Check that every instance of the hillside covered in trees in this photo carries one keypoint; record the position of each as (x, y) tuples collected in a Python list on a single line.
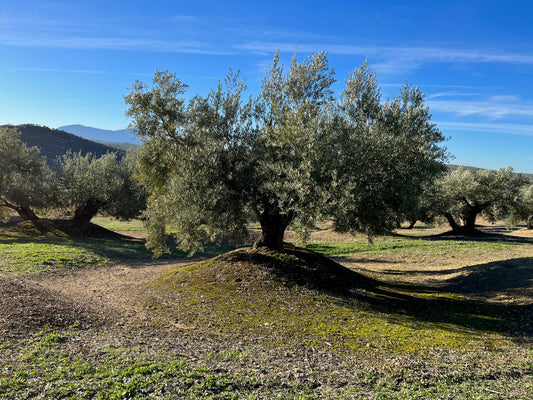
[(53, 143)]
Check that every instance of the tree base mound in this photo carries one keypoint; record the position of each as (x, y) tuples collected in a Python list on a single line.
[(286, 296), (293, 266), (58, 228)]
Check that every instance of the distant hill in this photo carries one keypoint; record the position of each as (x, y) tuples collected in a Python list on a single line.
[(54, 143), (115, 138)]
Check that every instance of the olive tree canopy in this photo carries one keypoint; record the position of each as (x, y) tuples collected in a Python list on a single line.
[(385, 155), (86, 185), (290, 156), (23, 176)]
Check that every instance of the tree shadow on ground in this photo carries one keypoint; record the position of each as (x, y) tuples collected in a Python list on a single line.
[(492, 297), (476, 236), (114, 247), (464, 302)]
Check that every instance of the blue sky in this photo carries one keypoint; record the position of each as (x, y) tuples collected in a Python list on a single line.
[(71, 62)]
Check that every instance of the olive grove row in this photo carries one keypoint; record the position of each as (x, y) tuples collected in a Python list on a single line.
[(291, 156)]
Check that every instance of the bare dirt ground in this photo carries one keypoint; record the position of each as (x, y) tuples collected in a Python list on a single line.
[(116, 293)]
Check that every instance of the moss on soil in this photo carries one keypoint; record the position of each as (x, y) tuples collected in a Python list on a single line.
[(301, 297)]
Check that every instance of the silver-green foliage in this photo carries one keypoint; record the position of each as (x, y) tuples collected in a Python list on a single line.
[(386, 154), (23, 175), (102, 184), (463, 194), (291, 155), (524, 211)]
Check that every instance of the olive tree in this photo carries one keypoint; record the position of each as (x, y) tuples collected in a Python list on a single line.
[(224, 157), (527, 201), (285, 157), (462, 195), (524, 209), (86, 185), (24, 176)]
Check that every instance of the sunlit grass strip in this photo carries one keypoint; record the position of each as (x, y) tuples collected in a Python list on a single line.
[(335, 249), (39, 257), (44, 367), (133, 225)]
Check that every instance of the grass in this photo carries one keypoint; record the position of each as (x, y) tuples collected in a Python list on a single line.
[(40, 257), (245, 298), (44, 369), (405, 246), (113, 224), (39, 253), (28, 250), (410, 318)]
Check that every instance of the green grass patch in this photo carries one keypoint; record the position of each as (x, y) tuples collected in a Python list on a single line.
[(26, 249), (74, 364), (409, 246), (133, 225), (40, 257), (47, 367)]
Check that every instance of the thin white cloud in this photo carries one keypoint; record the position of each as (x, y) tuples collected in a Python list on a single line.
[(401, 54), (432, 86), (451, 94), (95, 43), (513, 129), (492, 108)]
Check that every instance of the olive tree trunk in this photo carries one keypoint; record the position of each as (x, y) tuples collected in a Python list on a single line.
[(454, 225), (273, 226), (25, 212), (469, 219), (84, 213)]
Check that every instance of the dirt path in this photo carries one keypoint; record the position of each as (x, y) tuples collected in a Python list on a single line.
[(116, 293)]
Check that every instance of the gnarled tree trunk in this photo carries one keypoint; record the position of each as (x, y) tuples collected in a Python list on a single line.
[(469, 214), (469, 219), (25, 212), (451, 221), (86, 212), (273, 225)]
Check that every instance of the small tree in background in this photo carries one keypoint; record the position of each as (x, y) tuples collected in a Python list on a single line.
[(524, 211), (462, 195), (86, 185), (527, 200), (24, 176)]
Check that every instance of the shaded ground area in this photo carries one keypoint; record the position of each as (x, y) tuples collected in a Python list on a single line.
[(57, 228)]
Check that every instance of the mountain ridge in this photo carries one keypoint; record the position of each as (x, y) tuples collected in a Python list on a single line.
[(101, 135), (55, 142)]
